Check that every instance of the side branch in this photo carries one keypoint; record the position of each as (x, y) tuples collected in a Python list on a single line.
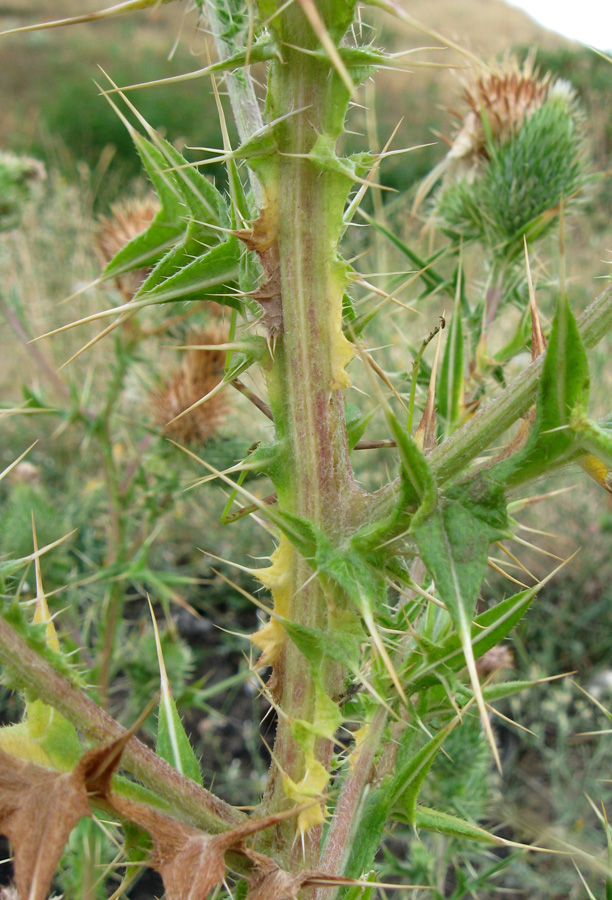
[(499, 414), (186, 797)]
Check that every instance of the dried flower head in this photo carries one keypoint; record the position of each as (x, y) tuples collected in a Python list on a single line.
[(503, 98), (499, 101), (201, 371), (129, 217), (517, 158)]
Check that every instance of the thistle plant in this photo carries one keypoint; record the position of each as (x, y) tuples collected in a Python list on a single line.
[(375, 646)]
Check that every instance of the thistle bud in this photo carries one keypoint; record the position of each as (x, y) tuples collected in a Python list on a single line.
[(516, 158)]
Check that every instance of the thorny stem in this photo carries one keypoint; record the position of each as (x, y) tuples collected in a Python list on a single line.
[(346, 818), (186, 797), (317, 482)]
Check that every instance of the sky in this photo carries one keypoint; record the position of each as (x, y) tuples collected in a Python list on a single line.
[(589, 21)]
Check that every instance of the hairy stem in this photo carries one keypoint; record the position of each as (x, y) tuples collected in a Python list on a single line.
[(303, 210), (243, 100), (346, 818), (185, 796)]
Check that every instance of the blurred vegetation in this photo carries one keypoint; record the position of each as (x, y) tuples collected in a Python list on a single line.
[(52, 109)]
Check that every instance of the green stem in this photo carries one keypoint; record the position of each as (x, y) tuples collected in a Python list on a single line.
[(304, 206), (346, 818)]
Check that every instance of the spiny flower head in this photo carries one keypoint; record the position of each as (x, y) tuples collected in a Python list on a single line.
[(200, 372), (499, 100), (129, 217), (517, 158)]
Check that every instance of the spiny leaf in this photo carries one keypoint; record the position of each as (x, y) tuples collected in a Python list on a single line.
[(202, 199), (191, 211), (406, 784), (563, 394), (172, 741), (190, 862), (38, 810), (454, 541), (39, 807), (488, 630), (356, 424), (204, 276), (415, 470), (450, 392), (168, 224), (445, 823)]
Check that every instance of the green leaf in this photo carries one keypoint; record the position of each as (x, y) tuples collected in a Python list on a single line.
[(488, 629), (44, 736), (418, 488), (407, 783), (356, 423), (453, 826), (202, 199), (501, 690), (416, 474), (454, 541), (203, 277), (452, 374), (167, 226), (563, 394), (172, 741), (343, 646), (182, 254)]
